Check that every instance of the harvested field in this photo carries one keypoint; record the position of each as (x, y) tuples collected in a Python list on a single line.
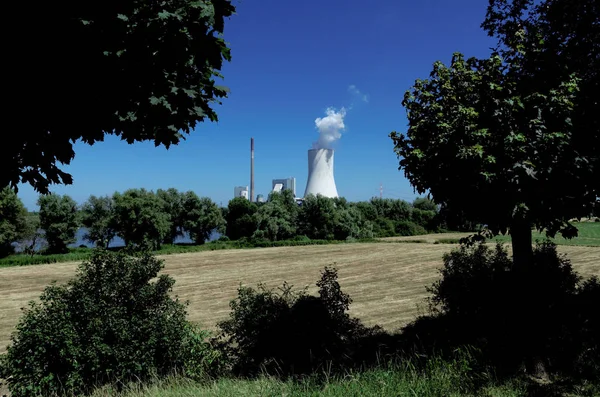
[(385, 280)]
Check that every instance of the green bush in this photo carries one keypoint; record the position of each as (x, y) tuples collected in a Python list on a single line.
[(288, 332), (524, 315), (109, 323), (408, 228)]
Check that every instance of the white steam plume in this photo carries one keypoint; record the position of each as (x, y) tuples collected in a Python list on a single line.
[(352, 89), (330, 128)]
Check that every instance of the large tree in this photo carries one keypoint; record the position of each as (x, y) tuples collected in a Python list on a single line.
[(13, 220), (97, 216), (59, 220), (140, 219), (201, 217), (509, 141), (172, 203), (141, 70)]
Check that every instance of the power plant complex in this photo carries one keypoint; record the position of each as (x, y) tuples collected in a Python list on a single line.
[(320, 177)]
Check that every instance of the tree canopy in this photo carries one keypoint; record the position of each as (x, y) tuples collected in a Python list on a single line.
[(508, 141), (136, 69)]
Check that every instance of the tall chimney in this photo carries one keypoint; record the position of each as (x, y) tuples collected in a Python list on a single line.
[(251, 169)]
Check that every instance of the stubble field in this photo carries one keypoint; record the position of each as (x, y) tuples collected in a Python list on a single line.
[(385, 280)]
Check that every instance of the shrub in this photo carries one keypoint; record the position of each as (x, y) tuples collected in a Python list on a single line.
[(517, 315), (289, 332), (408, 228), (108, 323)]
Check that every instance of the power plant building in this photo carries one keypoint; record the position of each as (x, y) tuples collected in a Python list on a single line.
[(241, 191), (260, 198), (320, 173), (285, 184)]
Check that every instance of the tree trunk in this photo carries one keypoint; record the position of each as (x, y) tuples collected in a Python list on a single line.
[(522, 245), (520, 232)]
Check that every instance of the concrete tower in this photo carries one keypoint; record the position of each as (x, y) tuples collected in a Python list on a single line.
[(320, 173)]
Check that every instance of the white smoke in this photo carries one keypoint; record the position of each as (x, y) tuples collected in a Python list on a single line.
[(330, 128), (356, 93)]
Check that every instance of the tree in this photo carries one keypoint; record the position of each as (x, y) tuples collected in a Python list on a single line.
[(274, 221), (13, 220), (59, 221), (424, 204), (172, 202), (318, 217), (32, 239), (147, 71), (140, 219), (97, 215), (202, 217), (240, 218), (350, 224)]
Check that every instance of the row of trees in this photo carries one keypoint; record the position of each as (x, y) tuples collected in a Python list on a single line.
[(138, 216), (320, 217), (145, 218)]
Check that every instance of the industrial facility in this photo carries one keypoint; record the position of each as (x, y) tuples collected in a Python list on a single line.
[(320, 177), (320, 173), (280, 185), (240, 191)]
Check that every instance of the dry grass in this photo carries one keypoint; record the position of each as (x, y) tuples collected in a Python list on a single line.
[(385, 280)]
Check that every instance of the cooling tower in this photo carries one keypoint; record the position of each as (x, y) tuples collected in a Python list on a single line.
[(320, 173)]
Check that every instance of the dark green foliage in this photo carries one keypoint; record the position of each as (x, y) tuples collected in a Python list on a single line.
[(424, 204), (351, 225), (110, 323), (59, 221), (408, 228), (289, 332), (172, 205), (318, 217), (427, 219), (383, 227), (148, 72), (518, 315), (201, 217), (396, 210), (13, 220), (277, 218), (240, 218), (97, 216), (140, 219)]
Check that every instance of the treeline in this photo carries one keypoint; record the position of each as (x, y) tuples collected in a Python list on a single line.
[(142, 218), (147, 219), (281, 218)]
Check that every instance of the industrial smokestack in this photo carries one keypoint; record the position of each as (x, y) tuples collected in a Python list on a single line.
[(251, 169), (320, 173)]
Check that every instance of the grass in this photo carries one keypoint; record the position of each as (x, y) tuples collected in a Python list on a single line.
[(81, 254), (589, 236), (438, 379), (386, 281)]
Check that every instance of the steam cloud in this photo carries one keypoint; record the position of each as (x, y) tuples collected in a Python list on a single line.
[(330, 128)]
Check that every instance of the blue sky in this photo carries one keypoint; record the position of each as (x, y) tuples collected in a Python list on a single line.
[(291, 61)]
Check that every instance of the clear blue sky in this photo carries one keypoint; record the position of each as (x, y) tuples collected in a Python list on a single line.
[(291, 61)]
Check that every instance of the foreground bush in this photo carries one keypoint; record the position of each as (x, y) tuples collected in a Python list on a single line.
[(289, 332), (109, 323), (541, 313)]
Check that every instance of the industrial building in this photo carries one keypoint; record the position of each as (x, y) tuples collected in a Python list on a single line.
[(260, 198), (320, 173), (285, 184), (241, 191)]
